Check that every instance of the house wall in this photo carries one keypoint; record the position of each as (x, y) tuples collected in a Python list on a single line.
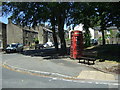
[(50, 37), (29, 36), (40, 34), (3, 36), (113, 39), (1, 43), (109, 40), (44, 34), (14, 34), (11, 33)]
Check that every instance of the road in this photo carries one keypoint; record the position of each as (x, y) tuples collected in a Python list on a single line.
[(39, 63), (13, 79)]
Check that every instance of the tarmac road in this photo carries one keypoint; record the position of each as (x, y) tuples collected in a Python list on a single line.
[(47, 65), (12, 79)]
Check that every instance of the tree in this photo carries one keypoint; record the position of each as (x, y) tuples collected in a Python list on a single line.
[(52, 16), (96, 14), (114, 14), (61, 16), (108, 15), (25, 15), (85, 13), (102, 15)]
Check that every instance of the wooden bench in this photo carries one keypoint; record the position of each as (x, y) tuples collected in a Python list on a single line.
[(88, 59)]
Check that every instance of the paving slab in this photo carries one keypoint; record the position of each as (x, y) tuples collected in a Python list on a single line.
[(97, 75)]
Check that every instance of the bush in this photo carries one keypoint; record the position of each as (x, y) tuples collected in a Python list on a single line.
[(36, 41)]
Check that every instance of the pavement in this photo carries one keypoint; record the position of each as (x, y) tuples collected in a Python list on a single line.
[(61, 67)]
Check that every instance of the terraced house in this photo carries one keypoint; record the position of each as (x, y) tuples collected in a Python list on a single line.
[(3, 41), (12, 33)]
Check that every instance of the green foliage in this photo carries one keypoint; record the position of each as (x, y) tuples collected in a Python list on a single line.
[(111, 32), (87, 39), (36, 41), (67, 39), (0, 3), (118, 35), (58, 13), (33, 13), (100, 38), (103, 14)]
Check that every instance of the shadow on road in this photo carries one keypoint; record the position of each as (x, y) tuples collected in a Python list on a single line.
[(50, 53), (105, 52)]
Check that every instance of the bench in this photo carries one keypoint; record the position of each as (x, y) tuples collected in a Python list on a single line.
[(88, 59)]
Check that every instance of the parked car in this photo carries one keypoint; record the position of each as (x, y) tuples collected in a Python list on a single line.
[(14, 47), (39, 46), (94, 41), (48, 44)]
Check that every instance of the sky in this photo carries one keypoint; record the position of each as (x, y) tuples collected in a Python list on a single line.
[(5, 20), (78, 27)]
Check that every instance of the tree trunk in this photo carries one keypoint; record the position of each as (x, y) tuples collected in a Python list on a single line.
[(55, 39), (102, 24), (61, 34), (54, 33), (103, 36)]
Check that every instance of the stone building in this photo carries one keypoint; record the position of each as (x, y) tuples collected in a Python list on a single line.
[(110, 35), (3, 40), (0, 35), (28, 36), (44, 34), (11, 33), (47, 35), (14, 33)]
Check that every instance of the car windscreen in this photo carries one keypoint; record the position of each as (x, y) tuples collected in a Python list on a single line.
[(13, 45)]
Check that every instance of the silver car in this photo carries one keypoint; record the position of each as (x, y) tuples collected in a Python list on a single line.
[(14, 47)]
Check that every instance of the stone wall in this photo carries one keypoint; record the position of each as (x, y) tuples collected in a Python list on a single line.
[(109, 39), (44, 34), (14, 34), (3, 36), (40, 34), (11, 33), (29, 36), (1, 44)]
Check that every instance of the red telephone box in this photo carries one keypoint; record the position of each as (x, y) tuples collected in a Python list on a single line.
[(76, 47)]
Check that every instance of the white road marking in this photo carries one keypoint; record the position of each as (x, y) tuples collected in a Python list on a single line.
[(41, 72), (62, 78)]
